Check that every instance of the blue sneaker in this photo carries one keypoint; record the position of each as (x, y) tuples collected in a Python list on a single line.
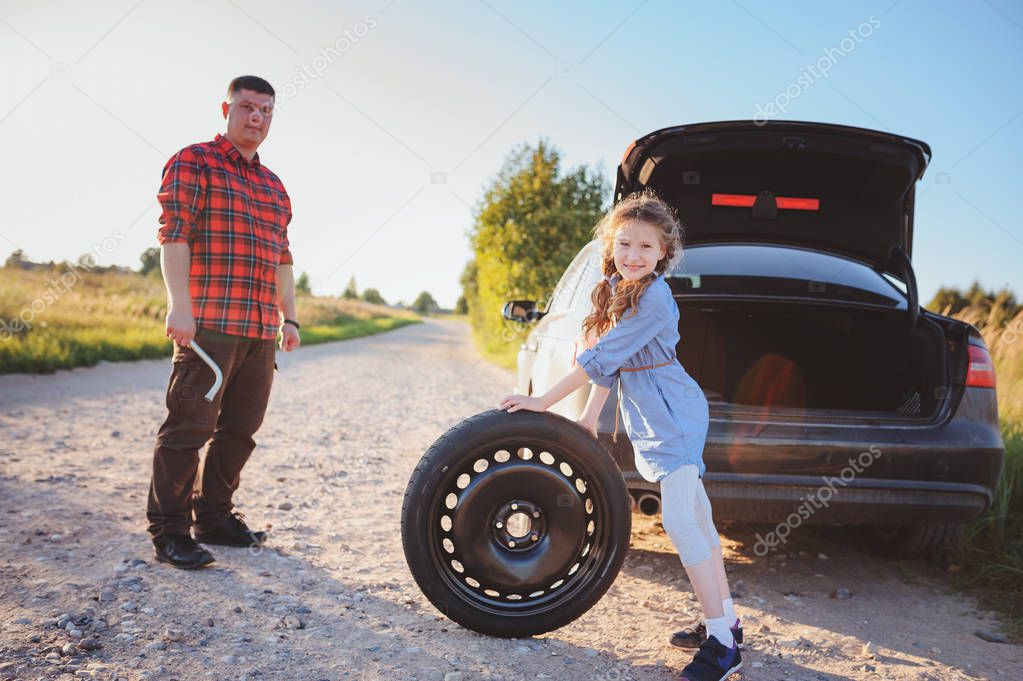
[(713, 662)]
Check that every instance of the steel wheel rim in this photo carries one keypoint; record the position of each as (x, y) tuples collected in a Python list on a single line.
[(468, 526)]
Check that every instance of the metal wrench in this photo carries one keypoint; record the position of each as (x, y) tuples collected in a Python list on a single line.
[(217, 373)]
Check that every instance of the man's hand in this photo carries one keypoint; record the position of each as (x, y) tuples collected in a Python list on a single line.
[(174, 264), (516, 402), (180, 325), (289, 337)]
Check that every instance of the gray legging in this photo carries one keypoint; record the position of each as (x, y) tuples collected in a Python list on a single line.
[(686, 515)]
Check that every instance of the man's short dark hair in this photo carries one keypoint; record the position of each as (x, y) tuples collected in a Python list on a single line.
[(254, 83)]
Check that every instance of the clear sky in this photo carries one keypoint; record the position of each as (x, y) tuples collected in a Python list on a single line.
[(394, 115)]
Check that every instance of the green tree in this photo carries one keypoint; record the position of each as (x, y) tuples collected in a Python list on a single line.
[(425, 303), (1000, 306), (302, 283), (15, 259), (88, 261), (532, 220), (946, 297), (461, 306), (150, 260), (470, 286), (975, 295), (371, 295), (351, 291)]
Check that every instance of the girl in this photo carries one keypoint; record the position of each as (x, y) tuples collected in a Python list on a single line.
[(663, 409)]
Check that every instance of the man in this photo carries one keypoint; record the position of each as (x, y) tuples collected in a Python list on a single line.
[(228, 272)]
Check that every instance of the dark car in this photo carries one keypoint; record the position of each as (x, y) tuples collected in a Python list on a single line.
[(834, 396)]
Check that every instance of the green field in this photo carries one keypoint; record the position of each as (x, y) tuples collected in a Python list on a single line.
[(59, 319), (991, 562)]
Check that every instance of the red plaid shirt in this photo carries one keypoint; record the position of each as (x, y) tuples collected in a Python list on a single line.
[(234, 216)]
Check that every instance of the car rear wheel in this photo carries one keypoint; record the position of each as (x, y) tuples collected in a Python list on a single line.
[(935, 540), (515, 524)]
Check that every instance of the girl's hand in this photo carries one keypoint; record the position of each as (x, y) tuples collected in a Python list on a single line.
[(516, 402), (589, 424)]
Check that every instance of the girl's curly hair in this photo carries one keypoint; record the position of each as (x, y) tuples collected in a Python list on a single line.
[(644, 206)]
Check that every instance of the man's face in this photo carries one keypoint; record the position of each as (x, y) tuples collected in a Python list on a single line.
[(248, 115)]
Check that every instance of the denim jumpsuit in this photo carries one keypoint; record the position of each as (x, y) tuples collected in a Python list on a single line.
[(664, 410)]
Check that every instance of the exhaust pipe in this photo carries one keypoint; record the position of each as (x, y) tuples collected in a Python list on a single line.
[(649, 504)]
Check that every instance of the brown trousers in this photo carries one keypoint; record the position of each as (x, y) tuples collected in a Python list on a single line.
[(228, 423)]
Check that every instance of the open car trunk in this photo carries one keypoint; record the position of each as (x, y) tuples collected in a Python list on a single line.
[(832, 188), (811, 361), (829, 189)]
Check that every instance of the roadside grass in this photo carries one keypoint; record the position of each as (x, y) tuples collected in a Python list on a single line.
[(990, 563), (79, 317), (325, 333)]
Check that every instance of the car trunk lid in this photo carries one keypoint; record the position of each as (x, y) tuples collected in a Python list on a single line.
[(843, 190)]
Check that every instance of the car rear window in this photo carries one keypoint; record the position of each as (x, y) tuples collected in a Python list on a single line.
[(759, 270)]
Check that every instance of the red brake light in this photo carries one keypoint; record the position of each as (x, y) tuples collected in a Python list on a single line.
[(981, 372), (740, 200), (798, 204), (747, 200)]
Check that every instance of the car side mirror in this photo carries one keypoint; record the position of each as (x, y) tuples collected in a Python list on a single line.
[(523, 311)]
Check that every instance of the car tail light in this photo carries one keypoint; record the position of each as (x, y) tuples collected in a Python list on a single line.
[(981, 372), (747, 201)]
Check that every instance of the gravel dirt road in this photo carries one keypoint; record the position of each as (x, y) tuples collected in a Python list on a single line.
[(331, 596)]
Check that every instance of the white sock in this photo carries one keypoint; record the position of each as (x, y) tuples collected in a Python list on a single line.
[(718, 627), (729, 611)]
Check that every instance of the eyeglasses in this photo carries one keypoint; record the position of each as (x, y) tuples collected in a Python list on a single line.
[(266, 110)]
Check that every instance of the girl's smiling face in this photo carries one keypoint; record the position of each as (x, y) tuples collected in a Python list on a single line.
[(637, 249)]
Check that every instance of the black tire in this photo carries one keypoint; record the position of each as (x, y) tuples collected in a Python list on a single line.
[(458, 512), (934, 541)]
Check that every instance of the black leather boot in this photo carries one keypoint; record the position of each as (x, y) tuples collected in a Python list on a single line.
[(232, 532), (181, 551)]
